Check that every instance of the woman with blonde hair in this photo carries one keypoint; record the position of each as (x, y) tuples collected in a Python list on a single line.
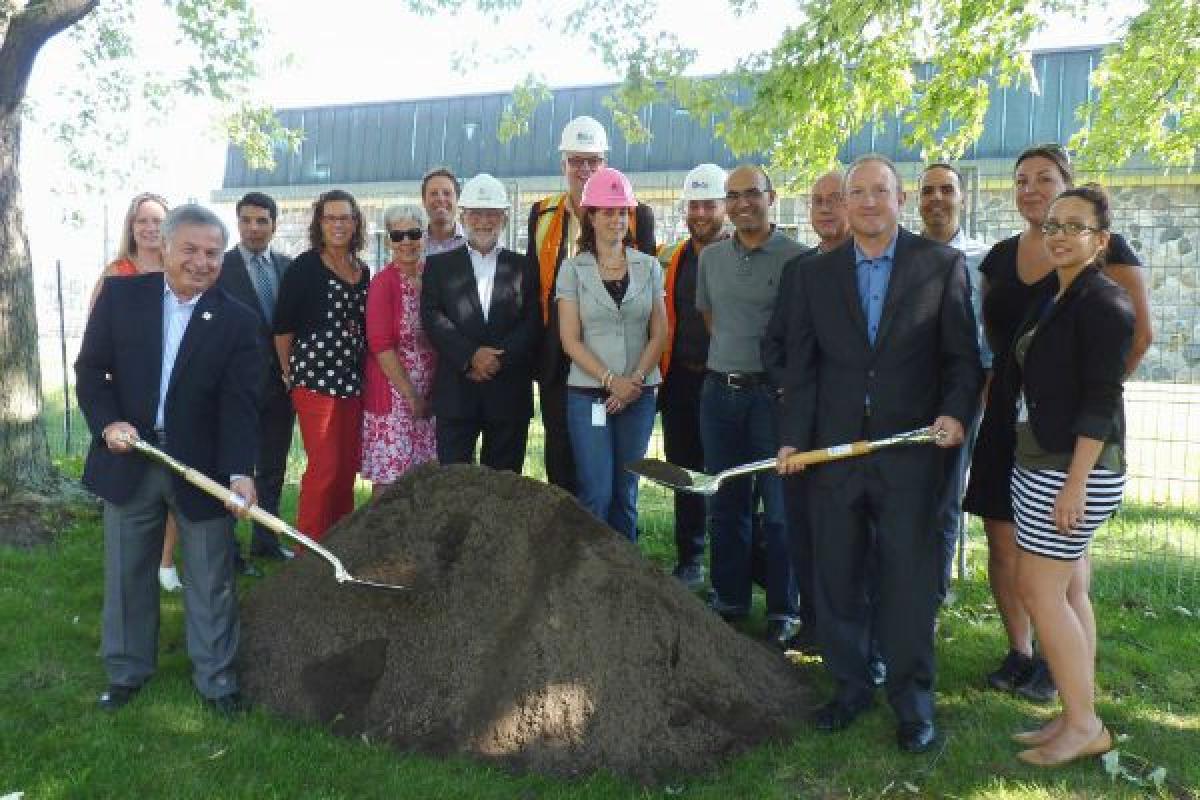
[(141, 251)]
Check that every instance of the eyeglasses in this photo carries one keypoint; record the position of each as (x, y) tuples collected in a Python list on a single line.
[(826, 200), (579, 162), (751, 194), (337, 219), (859, 194), (1069, 228), (412, 234)]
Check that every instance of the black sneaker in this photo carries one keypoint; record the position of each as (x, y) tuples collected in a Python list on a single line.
[(1013, 670), (1037, 685)]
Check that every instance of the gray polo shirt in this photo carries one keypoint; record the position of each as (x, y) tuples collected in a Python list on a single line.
[(739, 287)]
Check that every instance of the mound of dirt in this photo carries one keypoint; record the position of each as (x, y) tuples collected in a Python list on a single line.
[(532, 636)]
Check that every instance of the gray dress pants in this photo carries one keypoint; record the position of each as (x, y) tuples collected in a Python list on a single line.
[(133, 540)]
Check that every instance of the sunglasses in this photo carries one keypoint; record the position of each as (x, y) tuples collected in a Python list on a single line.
[(412, 234)]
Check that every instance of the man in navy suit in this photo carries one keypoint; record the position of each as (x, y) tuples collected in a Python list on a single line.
[(252, 273), (880, 339), (170, 359), (479, 306)]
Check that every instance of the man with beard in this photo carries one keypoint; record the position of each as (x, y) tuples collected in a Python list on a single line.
[(736, 291), (683, 362)]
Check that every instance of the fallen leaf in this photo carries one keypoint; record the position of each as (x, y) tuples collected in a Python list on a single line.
[(1158, 777), (217, 754)]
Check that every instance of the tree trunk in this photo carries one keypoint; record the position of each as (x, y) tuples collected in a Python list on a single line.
[(24, 452)]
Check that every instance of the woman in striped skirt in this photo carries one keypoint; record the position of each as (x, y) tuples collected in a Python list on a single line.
[(1068, 365)]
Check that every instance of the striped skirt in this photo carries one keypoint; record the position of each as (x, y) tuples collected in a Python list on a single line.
[(1033, 494)]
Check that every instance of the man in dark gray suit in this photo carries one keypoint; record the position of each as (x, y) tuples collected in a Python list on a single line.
[(252, 273), (170, 358), (880, 339)]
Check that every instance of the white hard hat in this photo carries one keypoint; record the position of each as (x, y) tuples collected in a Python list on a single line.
[(584, 135), (483, 191), (705, 182)]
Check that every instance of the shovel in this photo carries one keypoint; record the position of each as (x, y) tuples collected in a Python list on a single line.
[(264, 518), (685, 480)]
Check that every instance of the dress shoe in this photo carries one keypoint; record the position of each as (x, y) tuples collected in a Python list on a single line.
[(1038, 736), (1040, 758), (116, 696), (690, 575), (780, 633), (838, 715), (168, 579), (916, 737), (228, 705)]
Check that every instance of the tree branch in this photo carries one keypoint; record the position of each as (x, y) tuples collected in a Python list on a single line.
[(27, 32)]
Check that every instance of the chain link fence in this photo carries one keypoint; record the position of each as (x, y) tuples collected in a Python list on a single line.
[(1150, 550)]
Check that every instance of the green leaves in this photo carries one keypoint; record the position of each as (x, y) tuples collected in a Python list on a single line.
[(1147, 91)]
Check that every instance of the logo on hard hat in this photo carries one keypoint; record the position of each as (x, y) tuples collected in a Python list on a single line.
[(699, 184), (585, 137)]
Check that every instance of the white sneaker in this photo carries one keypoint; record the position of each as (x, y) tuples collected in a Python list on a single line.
[(168, 579)]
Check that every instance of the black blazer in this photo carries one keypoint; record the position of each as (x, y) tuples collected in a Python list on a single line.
[(235, 279), (773, 346), (211, 412), (1075, 366), (453, 319), (552, 363), (924, 363)]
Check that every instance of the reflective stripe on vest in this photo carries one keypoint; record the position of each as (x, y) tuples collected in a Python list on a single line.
[(548, 236), (670, 257)]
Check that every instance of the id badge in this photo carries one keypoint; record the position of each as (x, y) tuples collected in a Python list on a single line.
[(1022, 410), (599, 414)]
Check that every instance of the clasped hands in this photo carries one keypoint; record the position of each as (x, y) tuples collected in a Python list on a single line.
[(623, 390), (947, 430), (119, 438), (485, 363)]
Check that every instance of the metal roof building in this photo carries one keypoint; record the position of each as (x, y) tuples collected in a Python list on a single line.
[(390, 144)]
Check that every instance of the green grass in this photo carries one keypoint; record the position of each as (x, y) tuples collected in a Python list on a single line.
[(54, 743)]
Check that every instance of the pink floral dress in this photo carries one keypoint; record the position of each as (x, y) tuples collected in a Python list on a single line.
[(394, 440)]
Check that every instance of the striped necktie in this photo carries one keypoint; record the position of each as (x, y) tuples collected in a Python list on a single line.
[(264, 285)]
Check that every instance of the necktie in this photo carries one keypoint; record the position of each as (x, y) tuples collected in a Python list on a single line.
[(264, 286)]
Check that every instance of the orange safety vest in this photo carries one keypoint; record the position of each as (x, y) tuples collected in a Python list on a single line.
[(548, 236), (670, 256)]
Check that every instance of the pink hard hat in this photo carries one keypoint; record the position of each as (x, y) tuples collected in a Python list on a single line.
[(608, 188)]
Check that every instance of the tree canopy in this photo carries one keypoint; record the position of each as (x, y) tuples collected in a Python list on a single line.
[(852, 62)]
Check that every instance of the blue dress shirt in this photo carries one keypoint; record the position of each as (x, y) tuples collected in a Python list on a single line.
[(873, 275)]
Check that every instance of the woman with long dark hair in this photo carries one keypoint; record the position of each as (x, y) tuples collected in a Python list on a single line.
[(1018, 273), (613, 324), (1067, 368)]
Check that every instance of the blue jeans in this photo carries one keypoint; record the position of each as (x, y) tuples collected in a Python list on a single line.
[(605, 487), (738, 426)]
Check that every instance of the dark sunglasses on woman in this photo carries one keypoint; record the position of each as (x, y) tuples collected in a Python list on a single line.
[(412, 234)]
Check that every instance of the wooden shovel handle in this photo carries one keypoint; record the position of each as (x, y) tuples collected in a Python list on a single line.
[(825, 454)]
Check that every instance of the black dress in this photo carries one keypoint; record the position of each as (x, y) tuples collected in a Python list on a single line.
[(1005, 306)]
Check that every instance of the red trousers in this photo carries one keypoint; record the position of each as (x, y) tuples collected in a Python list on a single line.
[(331, 428)]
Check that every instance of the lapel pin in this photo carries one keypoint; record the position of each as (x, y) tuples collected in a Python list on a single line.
[(206, 316)]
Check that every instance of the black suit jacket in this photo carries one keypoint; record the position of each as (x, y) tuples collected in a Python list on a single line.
[(235, 279), (552, 363), (924, 363), (211, 413), (453, 319), (1075, 367)]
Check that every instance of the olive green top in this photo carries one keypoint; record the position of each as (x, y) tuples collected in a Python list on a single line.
[(1030, 454)]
